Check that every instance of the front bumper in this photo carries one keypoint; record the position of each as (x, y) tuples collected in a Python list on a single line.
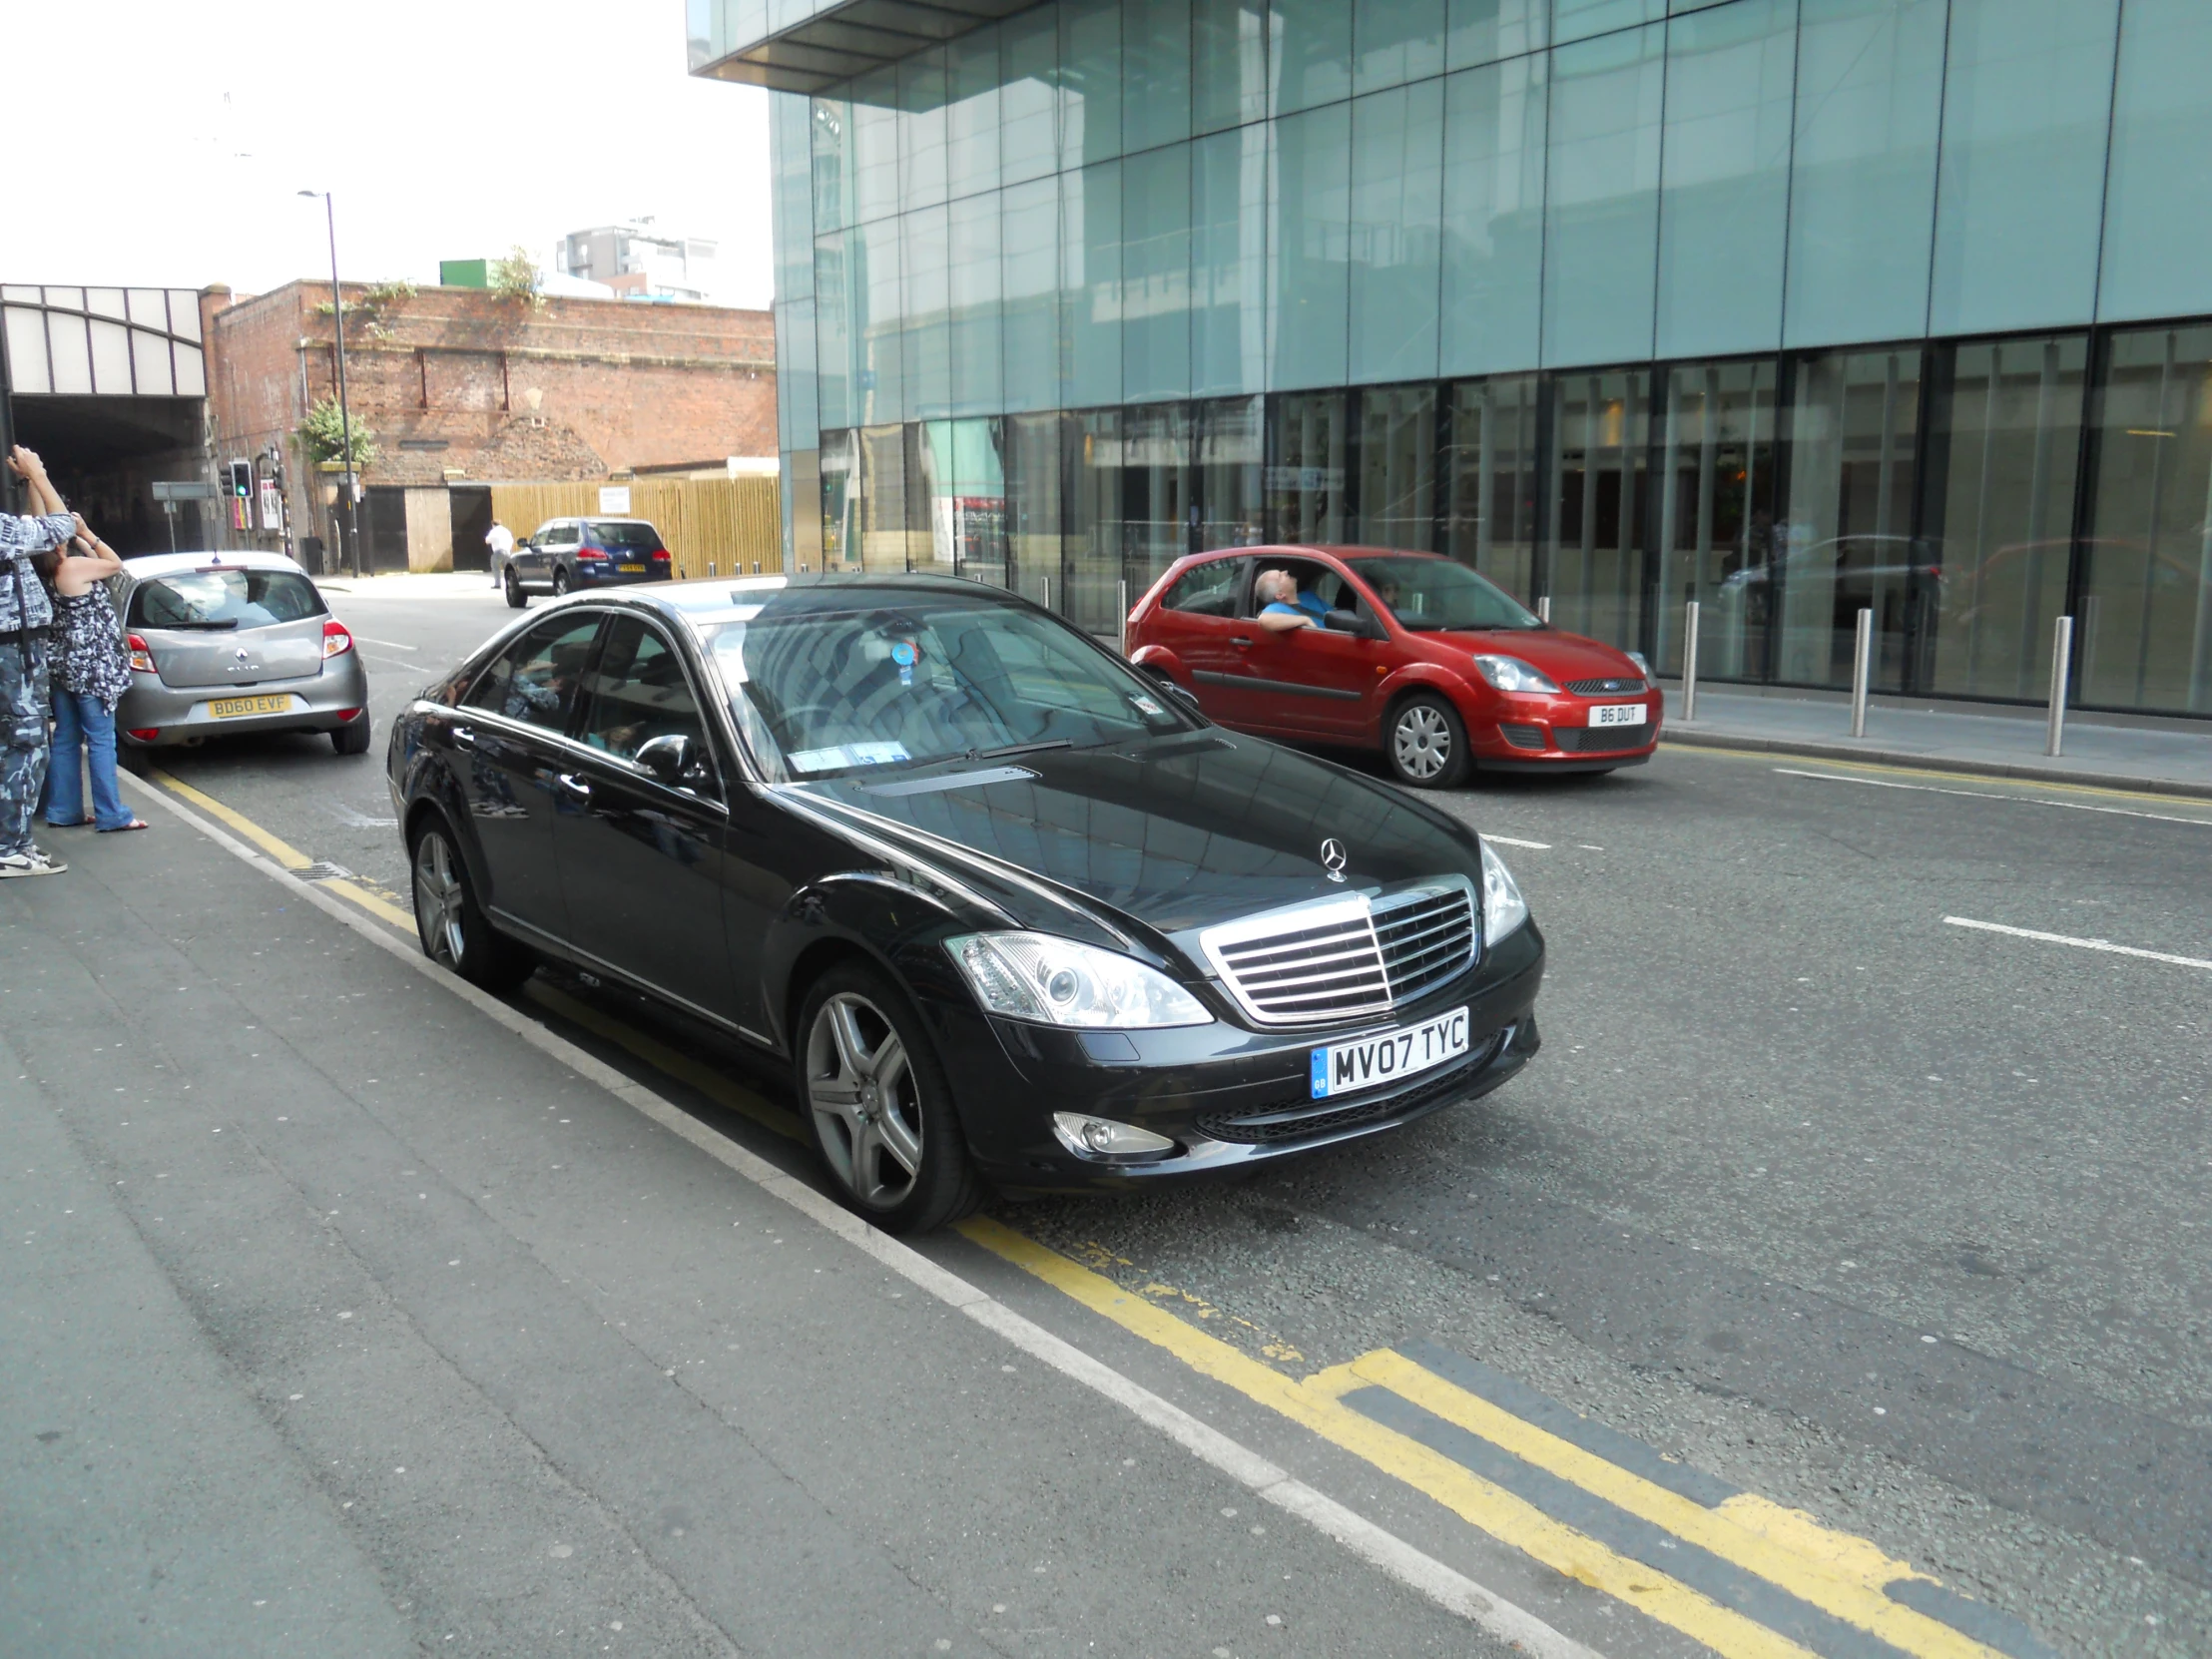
[(1527, 732), (181, 714), (1228, 1097)]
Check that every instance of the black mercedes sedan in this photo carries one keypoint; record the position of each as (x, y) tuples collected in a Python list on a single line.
[(1011, 912)]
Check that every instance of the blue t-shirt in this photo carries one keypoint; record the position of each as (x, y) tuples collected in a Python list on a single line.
[(1275, 607), (1306, 604)]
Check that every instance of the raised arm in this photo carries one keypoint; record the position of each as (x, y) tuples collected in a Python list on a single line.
[(51, 526)]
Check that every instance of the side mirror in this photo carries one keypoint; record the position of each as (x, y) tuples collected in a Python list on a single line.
[(1182, 694), (673, 758), (1353, 623)]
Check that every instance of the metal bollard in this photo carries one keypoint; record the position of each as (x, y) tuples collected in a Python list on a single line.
[(1544, 608), (1121, 593), (1045, 582), (2061, 666), (709, 570), (1689, 660), (756, 567), (1862, 670)]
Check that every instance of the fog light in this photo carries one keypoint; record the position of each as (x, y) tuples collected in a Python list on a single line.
[(1102, 1136)]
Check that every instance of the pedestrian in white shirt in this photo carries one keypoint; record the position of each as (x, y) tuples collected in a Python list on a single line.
[(501, 541)]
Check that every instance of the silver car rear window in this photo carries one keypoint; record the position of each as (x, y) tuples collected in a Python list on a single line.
[(224, 599)]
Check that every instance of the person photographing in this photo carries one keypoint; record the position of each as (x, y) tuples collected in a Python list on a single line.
[(92, 671), (26, 622)]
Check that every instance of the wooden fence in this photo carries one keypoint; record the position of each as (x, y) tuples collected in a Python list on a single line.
[(722, 526)]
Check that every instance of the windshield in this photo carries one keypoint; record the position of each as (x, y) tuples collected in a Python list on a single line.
[(828, 682), (224, 599), (622, 535), (1435, 595)]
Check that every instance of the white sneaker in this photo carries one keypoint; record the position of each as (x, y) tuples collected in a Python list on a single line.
[(30, 862)]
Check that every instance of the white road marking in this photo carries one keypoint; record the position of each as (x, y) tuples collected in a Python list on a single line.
[(2105, 945), (1992, 795), (1385, 1550), (397, 662), (393, 644), (1507, 840)]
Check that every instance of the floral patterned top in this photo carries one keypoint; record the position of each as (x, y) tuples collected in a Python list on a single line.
[(88, 652)]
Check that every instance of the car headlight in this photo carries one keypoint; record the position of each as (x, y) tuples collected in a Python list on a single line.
[(1511, 674), (1059, 982), (1643, 665), (1504, 908)]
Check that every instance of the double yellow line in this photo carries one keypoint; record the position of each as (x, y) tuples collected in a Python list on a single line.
[(376, 901)]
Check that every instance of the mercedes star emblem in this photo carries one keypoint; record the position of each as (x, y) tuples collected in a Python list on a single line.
[(1333, 858)]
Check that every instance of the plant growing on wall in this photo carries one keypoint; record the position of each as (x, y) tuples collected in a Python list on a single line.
[(516, 278), (321, 436), (375, 300)]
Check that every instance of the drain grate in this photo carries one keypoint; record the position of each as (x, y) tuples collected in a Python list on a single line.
[(325, 871)]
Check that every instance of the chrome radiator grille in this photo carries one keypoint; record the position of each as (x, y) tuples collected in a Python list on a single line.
[(1344, 958)]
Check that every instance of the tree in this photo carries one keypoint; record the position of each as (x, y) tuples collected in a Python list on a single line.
[(517, 276), (319, 435)]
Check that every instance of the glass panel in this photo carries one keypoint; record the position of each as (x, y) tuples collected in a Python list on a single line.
[(922, 129), (965, 485), (1397, 468), (2145, 637), (974, 225), (1846, 543), (1158, 513), (2027, 108), (1494, 192), (1033, 456), (1491, 514), (2005, 432), (1090, 274), (1862, 183), (191, 373), (184, 312), (150, 363), (1030, 254), (927, 300), (797, 406), (1395, 41), (1579, 19), (1310, 285), (1309, 47), (1229, 67), (1601, 219), (1028, 68), (104, 302), (1156, 274), (791, 160), (803, 531), (2158, 193), (1725, 186), (1307, 477), (880, 380), (890, 500), (1090, 81), (841, 500), (72, 358), (875, 144), (1397, 144), (971, 120), (27, 353), (1156, 67), (1092, 550), (1600, 429), (837, 303), (637, 692), (149, 309), (1716, 517), (1229, 439), (1483, 31), (829, 131), (1228, 260)]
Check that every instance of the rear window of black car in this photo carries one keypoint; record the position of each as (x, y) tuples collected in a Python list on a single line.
[(224, 599), (620, 536)]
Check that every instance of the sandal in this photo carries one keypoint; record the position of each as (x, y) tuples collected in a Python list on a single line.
[(134, 823)]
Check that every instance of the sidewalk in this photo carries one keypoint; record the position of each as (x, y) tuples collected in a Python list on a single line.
[(2165, 757), (411, 584)]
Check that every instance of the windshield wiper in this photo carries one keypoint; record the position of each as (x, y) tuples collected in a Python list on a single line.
[(1017, 748)]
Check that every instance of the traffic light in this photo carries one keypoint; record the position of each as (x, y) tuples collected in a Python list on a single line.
[(241, 480)]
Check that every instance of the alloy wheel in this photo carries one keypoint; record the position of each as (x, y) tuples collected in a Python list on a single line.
[(439, 902), (865, 1099), (560, 581), (1422, 741)]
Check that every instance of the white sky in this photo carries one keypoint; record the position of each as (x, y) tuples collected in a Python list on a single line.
[(154, 144)]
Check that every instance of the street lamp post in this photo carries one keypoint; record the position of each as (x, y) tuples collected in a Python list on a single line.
[(350, 528)]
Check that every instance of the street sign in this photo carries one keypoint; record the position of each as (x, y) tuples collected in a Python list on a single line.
[(166, 489), (614, 498), (273, 506)]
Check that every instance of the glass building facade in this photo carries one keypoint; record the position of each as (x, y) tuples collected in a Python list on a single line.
[(1792, 307)]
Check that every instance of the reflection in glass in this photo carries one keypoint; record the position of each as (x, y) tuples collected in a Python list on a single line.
[(879, 334), (875, 144), (2158, 198), (1308, 278), (974, 295), (2145, 632), (926, 311), (1493, 197), (1090, 274), (1156, 274), (829, 125), (1601, 209), (841, 500), (1717, 538), (972, 114), (1308, 479), (1229, 261), (1092, 535), (1396, 41), (1397, 468), (1159, 515), (1035, 456), (1156, 70), (1310, 52), (893, 514), (1600, 427), (2006, 429), (922, 129), (1483, 31), (965, 485), (1029, 250), (1028, 116), (1397, 140), (1229, 63), (1090, 81), (1846, 544), (1577, 19), (1490, 519), (835, 303)]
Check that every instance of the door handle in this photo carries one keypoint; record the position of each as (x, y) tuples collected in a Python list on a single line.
[(464, 737), (1241, 642), (575, 786)]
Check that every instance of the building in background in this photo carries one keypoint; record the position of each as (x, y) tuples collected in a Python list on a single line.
[(1791, 308), (638, 262), (463, 388)]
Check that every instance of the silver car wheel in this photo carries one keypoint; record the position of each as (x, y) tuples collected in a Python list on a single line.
[(439, 902), (1422, 741), (864, 1100)]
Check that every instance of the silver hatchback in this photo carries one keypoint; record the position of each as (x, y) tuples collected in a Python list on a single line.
[(227, 643)]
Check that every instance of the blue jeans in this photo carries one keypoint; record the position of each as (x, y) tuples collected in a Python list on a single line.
[(83, 731)]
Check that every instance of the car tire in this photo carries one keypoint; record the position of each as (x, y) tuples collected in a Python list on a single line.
[(134, 758), (515, 596), (1425, 743), (352, 738), (560, 581), (897, 1158), (450, 925)]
